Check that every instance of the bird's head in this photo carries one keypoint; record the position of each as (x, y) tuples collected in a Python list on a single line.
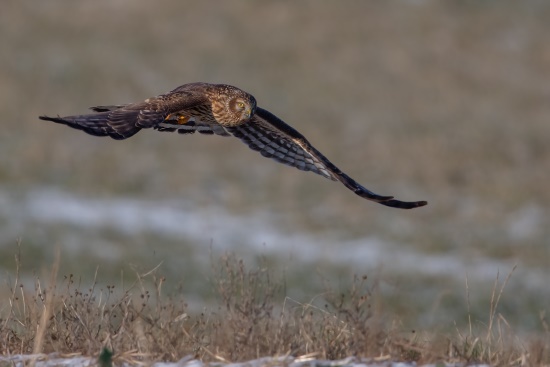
[(234, 106), (242, 107)]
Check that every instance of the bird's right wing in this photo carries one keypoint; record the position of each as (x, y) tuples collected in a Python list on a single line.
[(123, 121)]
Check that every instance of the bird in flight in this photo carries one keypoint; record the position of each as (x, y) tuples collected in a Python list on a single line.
[(221, 110)]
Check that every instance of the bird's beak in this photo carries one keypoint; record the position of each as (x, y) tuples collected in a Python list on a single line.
[(248, 113)]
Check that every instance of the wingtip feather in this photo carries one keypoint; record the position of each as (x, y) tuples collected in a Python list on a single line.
[(404, 204), (54, 119)]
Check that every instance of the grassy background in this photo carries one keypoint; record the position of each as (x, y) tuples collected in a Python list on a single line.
[(443, 101)]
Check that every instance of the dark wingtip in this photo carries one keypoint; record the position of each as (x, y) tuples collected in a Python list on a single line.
[(418, 204), (404, 204), (367, 194), (54, 119)]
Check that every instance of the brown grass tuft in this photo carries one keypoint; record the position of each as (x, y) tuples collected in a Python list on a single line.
[(254, 318)]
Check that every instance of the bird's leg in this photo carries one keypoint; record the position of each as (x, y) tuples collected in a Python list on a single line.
[(182, 120), (179, 119)]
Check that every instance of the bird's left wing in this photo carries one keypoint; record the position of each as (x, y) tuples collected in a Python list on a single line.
[(273, 138)]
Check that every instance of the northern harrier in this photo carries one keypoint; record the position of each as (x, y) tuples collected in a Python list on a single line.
[(222, 110)]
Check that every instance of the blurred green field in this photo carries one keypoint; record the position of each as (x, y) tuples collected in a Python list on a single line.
[(424, 100)]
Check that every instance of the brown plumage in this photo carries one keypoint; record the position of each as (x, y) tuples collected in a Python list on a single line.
[(222, 110)]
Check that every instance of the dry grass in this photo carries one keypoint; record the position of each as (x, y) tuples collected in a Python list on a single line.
[(253, 318)]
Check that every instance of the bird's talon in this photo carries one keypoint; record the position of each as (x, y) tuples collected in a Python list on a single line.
[(182, 120)]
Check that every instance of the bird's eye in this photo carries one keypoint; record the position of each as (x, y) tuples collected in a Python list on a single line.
[(240, 105)]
